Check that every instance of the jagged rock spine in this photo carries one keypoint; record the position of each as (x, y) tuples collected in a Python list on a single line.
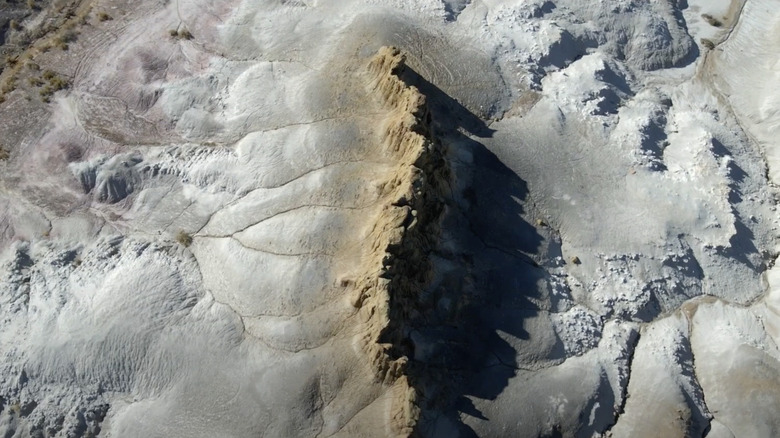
[(397, 267)]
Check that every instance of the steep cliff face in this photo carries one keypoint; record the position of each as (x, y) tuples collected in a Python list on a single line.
[(397, 267)]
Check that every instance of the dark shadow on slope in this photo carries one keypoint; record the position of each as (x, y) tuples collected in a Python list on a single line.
[(694, 52), (741, 245), (453, 8), (449, 115), (735, 173), (486, 283)]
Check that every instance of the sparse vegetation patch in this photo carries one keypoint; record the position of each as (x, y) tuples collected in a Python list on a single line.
[(8, 86), (182, 34), (712, 20), (51, 82), (184, 238)]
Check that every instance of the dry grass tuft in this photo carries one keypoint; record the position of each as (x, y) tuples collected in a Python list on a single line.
[(184, 238), (8, 86), (183, 34), (712, 20), (54, 83)]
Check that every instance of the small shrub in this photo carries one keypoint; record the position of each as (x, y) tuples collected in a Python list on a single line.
[(102, 16), (184, 238), (33, 66), (59, 83), (31, 4), (61, 44), (69, 35), (4, 154), (712, 20), (34, 82), (707, 43), (14, 25), (46, 93), (183, 34), (55, 83), (8, 86)]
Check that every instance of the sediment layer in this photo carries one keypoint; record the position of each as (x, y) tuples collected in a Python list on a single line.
[(406, 229)]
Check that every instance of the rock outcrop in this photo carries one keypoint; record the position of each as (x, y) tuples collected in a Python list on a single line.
[(407, 225)]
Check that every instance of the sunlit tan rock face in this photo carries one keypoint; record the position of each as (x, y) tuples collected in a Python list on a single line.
[(388, 218)]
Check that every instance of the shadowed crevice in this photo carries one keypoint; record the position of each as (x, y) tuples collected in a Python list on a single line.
[(465, 278)]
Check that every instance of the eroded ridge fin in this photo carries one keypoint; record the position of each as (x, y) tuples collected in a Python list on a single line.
[(406, 230)]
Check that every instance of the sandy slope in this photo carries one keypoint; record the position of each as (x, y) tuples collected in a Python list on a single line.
[(537, 218)]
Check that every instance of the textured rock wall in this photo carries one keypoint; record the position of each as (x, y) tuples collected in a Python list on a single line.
[(406, 229)]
